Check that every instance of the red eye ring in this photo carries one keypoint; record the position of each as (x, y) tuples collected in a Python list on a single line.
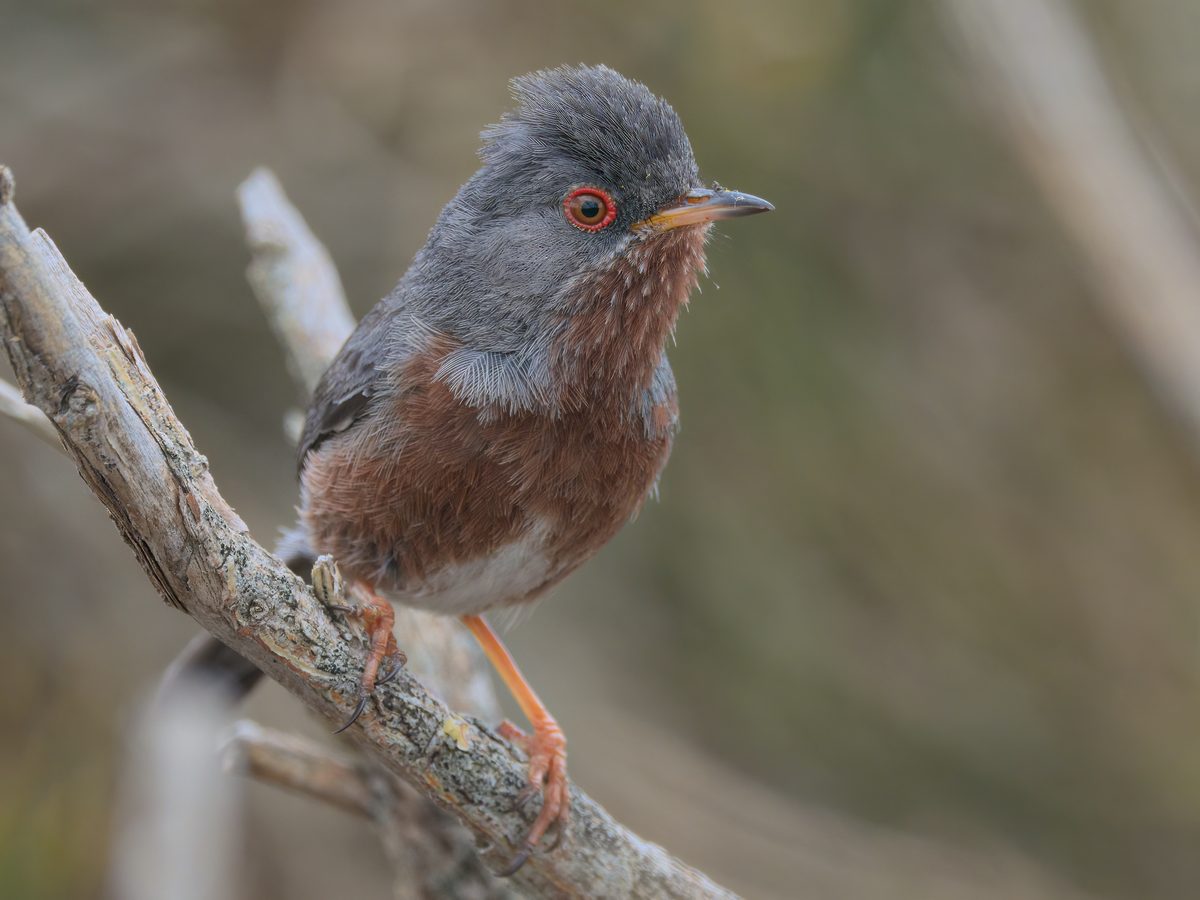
[(590, 208)]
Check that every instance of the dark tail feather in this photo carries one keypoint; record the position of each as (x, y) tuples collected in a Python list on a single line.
[(206, 660)]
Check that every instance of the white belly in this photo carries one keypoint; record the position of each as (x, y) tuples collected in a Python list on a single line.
[(476, 585)]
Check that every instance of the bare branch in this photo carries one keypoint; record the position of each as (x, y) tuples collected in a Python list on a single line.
[(294, 280), (85, 371), (180, 821), (1035, 59)]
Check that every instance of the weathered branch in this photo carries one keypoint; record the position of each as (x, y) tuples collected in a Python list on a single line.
[(1035, 61), (86, 373)]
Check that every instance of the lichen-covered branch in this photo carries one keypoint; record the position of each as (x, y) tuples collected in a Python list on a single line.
[(86, 373)]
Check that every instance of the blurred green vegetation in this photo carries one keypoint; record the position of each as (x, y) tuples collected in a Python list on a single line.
[(54, 789), (927, 548)]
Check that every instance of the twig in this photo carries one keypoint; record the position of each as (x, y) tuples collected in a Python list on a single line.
[(429, 858), (297, 764), (85, 371), (1035, 60), (294, 279), (13, 405)]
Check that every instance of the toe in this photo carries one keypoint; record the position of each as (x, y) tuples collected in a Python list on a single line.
[(398, 659), (554, 809), (512, 733), (548, 777)]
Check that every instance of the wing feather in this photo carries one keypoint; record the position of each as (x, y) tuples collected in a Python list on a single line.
[(343, 396)]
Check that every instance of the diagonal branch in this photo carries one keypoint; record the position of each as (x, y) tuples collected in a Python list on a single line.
[(85, 371)]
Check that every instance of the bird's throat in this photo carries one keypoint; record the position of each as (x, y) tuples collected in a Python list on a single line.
[(619, 319)]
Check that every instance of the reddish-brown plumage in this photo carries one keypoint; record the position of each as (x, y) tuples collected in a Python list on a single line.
[(446, 484)]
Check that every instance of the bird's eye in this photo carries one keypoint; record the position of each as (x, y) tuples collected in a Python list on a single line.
[(590, 208)]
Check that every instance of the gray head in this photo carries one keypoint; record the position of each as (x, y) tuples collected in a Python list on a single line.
[(588, 127), (505, 246), (575, 179)]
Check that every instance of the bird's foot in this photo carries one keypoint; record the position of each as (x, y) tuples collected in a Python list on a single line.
[(396, 661), (378, 617), (547, 751)]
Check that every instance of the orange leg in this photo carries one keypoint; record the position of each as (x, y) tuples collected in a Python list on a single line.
[(547, 748), (379, 617)]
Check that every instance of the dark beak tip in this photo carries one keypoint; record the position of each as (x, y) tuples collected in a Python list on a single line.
[(748, 204)]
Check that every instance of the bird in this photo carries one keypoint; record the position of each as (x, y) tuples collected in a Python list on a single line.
[(508, 407)]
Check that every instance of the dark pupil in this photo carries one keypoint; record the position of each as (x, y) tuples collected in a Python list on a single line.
[(590, 208)]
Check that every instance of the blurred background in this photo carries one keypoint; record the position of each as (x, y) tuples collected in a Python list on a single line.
[(917, 614)]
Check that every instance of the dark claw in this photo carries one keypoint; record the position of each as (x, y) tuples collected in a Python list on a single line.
[(528, 793), (362, 704), (558, 836), (390, 675), (517, 863), (342, 609)]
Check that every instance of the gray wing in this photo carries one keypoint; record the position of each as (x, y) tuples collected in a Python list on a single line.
[(343, 395)]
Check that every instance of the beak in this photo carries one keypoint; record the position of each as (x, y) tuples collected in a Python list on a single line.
[(703, 205)]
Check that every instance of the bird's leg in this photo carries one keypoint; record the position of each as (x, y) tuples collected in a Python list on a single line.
[(547, 747), (378, 617)]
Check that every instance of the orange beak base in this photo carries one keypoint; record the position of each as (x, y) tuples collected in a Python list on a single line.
[(703, 205)]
